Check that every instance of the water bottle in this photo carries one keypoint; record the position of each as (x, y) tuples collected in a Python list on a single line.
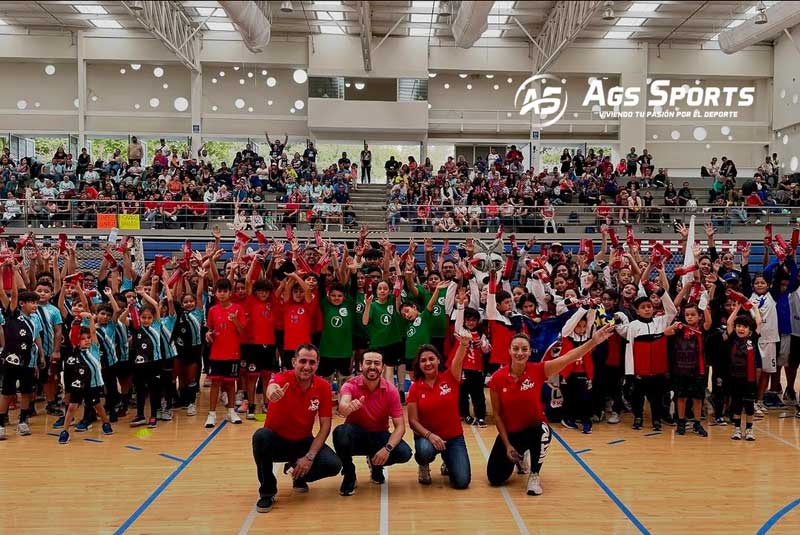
[(112, 236)]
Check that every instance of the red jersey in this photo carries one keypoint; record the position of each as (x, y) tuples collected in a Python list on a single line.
[(521, 398), (473, 360), (226, 340), (293, 416), (437, 405), (297, 321), (501, 335), (260, 327), (585, 364)]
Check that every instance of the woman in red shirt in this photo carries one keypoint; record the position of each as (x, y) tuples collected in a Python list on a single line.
[(516, 393), (433, 414)]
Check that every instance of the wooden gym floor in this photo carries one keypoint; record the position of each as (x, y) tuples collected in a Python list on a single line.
[(184, 479)]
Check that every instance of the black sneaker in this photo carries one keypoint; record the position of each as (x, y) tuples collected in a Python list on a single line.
[(376, 475), (681, 427), (656, 426), (138, 421), (299, 485), (349, 484), (469, 420), (264, 505), (53, 410), (698, 428), (637, 423), (480, 422)]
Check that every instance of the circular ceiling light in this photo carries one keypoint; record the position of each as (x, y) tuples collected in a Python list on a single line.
[(94, 98), (675, 135), (249, 74), (271, 81), (431, 75), (250, 109), (510, 80), (76, 102), (214, 107), (154, 102), (136, 106), (300, 76), (495, 87), (239, 103), (447, 86), (490, 76), (299, 104), (222, 74), (469, 86), (241, 81), (136, 66), (122, 70), (213, 80), (359, 85), (235, 67), (158, 72), (269, 103), (50, 70), (292, 110), (264, 72), (181, 104), (725, 130), (165, 86), (699, 133), (785, 139), (463, 75), (22, 104)]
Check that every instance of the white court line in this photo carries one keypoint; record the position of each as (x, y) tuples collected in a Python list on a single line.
[(503, 490), (385, 504), (777, 437), (251, 516)]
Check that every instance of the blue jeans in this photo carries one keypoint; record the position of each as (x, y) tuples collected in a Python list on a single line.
[(455, 456), (349, 440)]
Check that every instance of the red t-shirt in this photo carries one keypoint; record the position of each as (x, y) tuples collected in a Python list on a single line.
[(226, 340), (293, 416), (378, 407), (520, 399), (260, 328), (297, 320), (437, 405)]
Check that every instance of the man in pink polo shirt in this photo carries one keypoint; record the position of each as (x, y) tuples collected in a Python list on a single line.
[(368, 402)]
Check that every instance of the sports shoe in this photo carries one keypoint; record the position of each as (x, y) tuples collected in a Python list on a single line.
[(160, 414), (166, 415), (63, 437), (239, 399), (211, 420), (232, 417), (681, 427), (525, 464), (699, 429), (59, 424), (299, 485), (152, 423), (443, 470), (424, 474), (596, 419), (349, 484), (83, 426), (587, 428), (191, 410), (2, 433), (264, 505), (122, 411), (469, 420), (251, 415), (569, 424), (749, 435), (657, 426), (759, 410), (53, 410), (614, 418), (719, 421), (797, 414), (737, 434), (223, 398), (138, 421), (23, 429), (243, 407), (480, 422), (376, 475), (107, 430), (534, 484), (637, 423)]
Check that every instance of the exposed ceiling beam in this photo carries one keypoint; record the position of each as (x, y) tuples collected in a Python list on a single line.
[(366, 35), (565, 22), (172, 26)]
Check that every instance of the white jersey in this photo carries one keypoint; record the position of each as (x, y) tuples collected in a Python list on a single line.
[(794, 306), (769, 317)]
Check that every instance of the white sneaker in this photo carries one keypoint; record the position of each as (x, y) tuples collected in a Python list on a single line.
[(2, 433), (737, 434), (233, 417), (191, 410), (23, 429), (759, 410), (239, 398), (160, 414), (424, 476), (525, 465), (166, 415), (749, 435), (223, 398), (534, 485), (614, 418), (211, 420)]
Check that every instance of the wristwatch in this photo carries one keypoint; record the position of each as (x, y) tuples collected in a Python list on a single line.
[(389, 447)]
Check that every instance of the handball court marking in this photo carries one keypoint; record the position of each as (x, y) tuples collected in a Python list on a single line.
[(783, 511), (166, 483)]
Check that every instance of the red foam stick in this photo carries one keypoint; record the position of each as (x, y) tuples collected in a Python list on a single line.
[(508, 268), (109, 258), (612, 235), (475, 261), (174, 278), (768, 234), (782, 243), (134, 314), (263, 240), (795, 239), (367, 286), (123, 244), (24, 241), (663, 251), (492, 283), (74, 279), (739, 298), (629, 238), (398, 287), (8, 276), (187, 249), (289, 233), (256, 273), (543, 276), (514, 248), (779, 251), (543, 250), (656, 260), (695, 292), (741, 246), (158, 265), (317, 238), (302, 265), (589, 250), (75, 333), (466, 271), (62, 243), (685, 270)]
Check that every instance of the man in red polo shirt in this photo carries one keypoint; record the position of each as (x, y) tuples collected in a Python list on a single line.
[(367, 402), (297, 397)]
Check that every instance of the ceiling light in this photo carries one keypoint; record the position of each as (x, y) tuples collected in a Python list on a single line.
[(510, 80), (137, 106), (105, 23), (447, 86), (489, 76), (249, 74), (644, 6), (492, 34), (239, 103), (214, 108), (122, 70), (469, 86), (608, 11), (76, 102), (429, 105), (22, 104), (431, 75), (250, 109), (359, 85), (618, 35), (213, 80), (287, 6), (347, 84), (222, 73), (495, 87), (50, 70), (158, 72), (221, 26), (627, 21), (508, 114), (136, 66), (94, 98), (264, 72), (331, 30), (235, 67), (761, 18), (445, 9), (299, 104), (292, 110), (165, 86), (269, 103), (154, 102), (300, 76), (180, 104), (91, 10), (241, 81), (271, 82), (463, 75), (735, 23)]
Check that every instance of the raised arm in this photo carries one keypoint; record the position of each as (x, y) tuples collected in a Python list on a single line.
[(552, 367)]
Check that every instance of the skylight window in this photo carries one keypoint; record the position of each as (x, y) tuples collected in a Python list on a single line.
[(714, 37), (497, 19), (214, 12), (221, 26), (105, 23), (421, 17), (332, 30), (735, 23), (420, 32), (3, 23), (425, 4), (618, 35), (330, 15), (627, 21), (91, 10), (328, 3), (503, 5), (644, 6), (492, 34)]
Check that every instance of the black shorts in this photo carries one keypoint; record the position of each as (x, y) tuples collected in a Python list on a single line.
[(123, 369), (360, 342), (689, 386), (393, 355), (11, 374), (279, 339), (167, 365), (227, 370), (741, 388), (257, 358), (794, 351), (329, 365), (190, 355), (54, 369), (91, 396)]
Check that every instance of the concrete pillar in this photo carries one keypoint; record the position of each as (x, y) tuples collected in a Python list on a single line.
[(82, 91), (633, 131), (196, 105)]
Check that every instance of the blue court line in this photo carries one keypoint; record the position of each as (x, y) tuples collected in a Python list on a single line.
[(587, 450), (618, 441), (654, 433), (166, 483), (93, 440), (777, 516), (172, 457), (134, 448), (627, 512)]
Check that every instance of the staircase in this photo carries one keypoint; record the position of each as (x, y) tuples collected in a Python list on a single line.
[(369, 202)]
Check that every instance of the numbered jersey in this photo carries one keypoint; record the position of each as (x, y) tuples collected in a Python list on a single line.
[(384, 324), (337, 328), (438, 313), (418, 332)]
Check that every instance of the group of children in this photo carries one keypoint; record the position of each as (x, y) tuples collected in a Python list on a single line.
[(115, 340)]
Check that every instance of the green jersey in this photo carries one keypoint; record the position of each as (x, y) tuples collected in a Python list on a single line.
[(418, 332), (337, 328), (439, 315), (384, 324)]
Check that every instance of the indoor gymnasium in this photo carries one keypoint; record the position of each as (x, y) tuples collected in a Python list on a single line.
[(399, 267)]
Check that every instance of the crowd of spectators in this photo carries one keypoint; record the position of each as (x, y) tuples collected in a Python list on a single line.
[(176, 190)]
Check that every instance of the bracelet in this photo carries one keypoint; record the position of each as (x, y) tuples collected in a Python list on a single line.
[(428, 435)]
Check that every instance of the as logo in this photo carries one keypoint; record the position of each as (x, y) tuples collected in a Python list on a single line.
[(444, 389), (314, 405), (386, 319), (546, 101), (527, 384)]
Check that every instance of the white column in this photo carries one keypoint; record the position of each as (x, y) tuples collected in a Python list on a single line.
[(82, 91), (196, 101), (632, 132)]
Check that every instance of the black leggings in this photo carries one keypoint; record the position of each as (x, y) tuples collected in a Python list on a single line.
[(742, 397), (652, 387), (577, 397), (147, 380), (472, 388), (536, 439), (112, 388)]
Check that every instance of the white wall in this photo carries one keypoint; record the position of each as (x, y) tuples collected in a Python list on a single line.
[(786, 98), (374, 117), (334, 55)]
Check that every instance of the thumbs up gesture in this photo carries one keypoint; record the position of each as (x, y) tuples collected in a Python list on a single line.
[(354, 405), (278, 393)]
